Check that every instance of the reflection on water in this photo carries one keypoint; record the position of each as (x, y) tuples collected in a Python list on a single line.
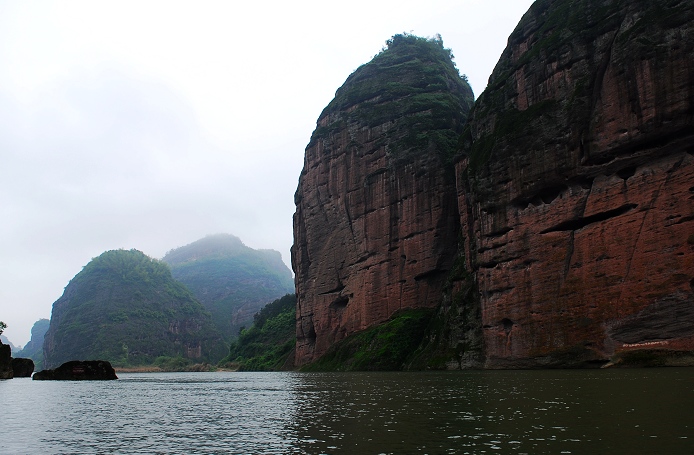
[(586, 411), (619, 411)]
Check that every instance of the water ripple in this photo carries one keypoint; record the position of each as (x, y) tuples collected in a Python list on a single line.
[(347, 413)]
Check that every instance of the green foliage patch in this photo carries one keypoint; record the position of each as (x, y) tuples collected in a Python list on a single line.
[(125, 307), (386, 347), (226, 276), (415, 88), (267, 344)]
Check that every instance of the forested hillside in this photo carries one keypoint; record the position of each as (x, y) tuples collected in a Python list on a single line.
[(125, 307), (231, 280)]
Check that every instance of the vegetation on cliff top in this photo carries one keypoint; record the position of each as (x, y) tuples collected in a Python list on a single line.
[(412, 85), (231, 280), (269, 342), (126, 308)]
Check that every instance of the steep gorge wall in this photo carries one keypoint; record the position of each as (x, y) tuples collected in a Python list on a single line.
[(376, 224), (574, 188), (577, 184)]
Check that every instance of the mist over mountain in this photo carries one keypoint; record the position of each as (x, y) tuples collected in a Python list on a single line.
[(232, 280)]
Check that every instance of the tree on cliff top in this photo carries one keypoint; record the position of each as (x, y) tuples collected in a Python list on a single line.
[(407, 39), (3, 326), (413, 86)]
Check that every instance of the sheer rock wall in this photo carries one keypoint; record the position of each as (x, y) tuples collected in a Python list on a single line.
[(574, 189), (375, 229), (579, 170)]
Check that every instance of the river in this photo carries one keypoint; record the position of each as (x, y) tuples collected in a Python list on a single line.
[(635, 411)]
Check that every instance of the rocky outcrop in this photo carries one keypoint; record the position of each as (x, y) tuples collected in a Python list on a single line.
[(376, 224), (78, 370), (5, 361), (576, 188), (22, 367)]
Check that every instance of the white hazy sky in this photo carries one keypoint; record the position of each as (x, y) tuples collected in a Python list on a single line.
[(150, 124)]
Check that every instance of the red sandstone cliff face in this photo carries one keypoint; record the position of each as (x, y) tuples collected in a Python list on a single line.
[(375, 229), (577, 186)]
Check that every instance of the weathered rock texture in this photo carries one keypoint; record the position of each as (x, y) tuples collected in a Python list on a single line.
[(79, 370), (376, 224), (575, 191), (577, 185)]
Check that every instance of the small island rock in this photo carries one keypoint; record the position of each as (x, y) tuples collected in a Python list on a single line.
[(23, 368), (77, 370)]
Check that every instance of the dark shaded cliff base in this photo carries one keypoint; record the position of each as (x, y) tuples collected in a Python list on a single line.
[(386, 347), (652, 358), (77, 370)]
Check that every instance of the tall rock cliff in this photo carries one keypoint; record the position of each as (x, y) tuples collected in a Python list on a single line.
[(376, 222), (576, 189)]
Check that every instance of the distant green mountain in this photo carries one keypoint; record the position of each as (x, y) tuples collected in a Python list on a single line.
[(125, 307), (34, 348), (231, 280), (268, 344)]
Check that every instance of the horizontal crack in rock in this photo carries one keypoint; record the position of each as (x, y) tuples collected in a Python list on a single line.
[(574, 225)]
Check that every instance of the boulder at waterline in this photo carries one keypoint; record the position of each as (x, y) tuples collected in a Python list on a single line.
[(79, 370), (22, 368)]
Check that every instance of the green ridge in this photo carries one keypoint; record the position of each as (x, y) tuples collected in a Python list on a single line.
[(125, 307)]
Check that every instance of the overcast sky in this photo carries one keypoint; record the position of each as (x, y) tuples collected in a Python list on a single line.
[(150, 124)]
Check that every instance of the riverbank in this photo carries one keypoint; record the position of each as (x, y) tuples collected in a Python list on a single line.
[(198, 367)]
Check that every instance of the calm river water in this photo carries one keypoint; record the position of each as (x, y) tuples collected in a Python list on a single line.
[(495, 412)]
